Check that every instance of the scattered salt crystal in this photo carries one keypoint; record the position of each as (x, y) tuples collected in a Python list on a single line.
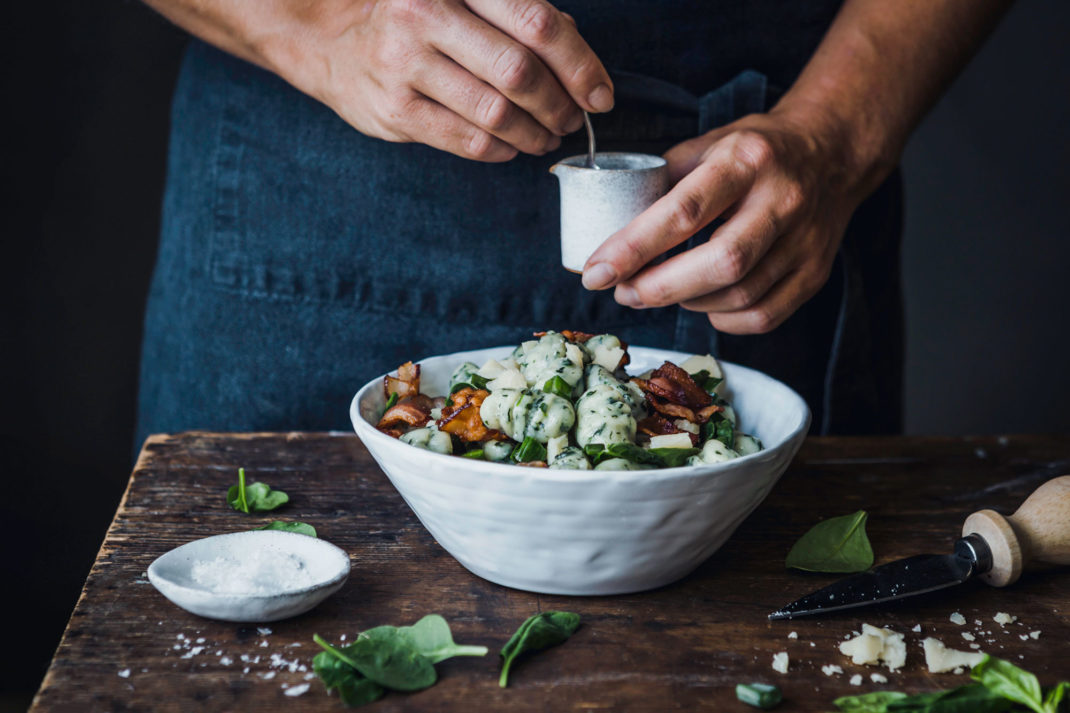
[(193, 652), (1034, 634), (180, 637), (226, 660), (342, 637), (298, 690), (263, 644), (1023, 637), (125, 673), (260, 572), (975, 646), (780, 662), (856, 680), (957, 618), (245, 657), (177, 646), (263, 631), (812, 643), (831, 670), (310, 676), (978, 622), (200, 639), (245, 670), (877, 678), (968, 636), (958, 670), (267, 675), (917, 629), (793, 635), (293, 645)]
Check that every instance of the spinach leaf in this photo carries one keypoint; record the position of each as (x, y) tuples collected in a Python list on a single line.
[(673, 457), (540, 631), (479, 382), (529, 450), (257, 497), (876, 702), (301, 528), (353, 688), (475, 453), (706, 382), (1007, 680), (558, 386), (972, 698), (1055, 696), (838, 544), (759, 695), (432, 638), (386, 658), (392, 400), (719, 428), (657, 457)]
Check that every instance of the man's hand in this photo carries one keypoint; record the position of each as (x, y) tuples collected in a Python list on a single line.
[(482, 79), (786, 194)]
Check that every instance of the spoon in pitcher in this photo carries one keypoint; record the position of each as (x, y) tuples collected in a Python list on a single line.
[(590, 141)]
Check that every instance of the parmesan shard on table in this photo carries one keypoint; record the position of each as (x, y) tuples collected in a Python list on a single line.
[(940, 659), (876, 645)]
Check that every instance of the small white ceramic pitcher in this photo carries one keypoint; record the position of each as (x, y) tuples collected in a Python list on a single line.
[(597, 202)]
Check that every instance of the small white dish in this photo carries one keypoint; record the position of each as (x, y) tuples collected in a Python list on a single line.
[(180, 575)]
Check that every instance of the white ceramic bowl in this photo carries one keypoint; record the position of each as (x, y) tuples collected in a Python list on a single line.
[(586, 532), (327, 565)]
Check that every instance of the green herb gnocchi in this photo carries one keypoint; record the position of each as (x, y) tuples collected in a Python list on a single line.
[(564, 401)]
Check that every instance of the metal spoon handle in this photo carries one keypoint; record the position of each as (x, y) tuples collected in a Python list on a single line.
[(590, 141)]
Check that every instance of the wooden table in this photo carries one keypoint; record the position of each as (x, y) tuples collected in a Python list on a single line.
[(682, 647)]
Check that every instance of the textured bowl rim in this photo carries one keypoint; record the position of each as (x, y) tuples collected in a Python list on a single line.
[(366, 430)]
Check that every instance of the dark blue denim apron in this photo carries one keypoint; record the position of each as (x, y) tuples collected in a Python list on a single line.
[(299, 258)]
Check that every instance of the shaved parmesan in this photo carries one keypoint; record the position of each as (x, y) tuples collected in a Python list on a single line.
[(941, 659), (831, 670), (957, 618), (875, 645), (1003, 618), (780, 662), (508, 379), (671, 440)]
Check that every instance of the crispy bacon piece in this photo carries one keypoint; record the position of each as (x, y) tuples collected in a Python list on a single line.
[(657, 425), (571, 335), (406, 383), (672, 383), (414, 411), (672, 392), (462, 418)]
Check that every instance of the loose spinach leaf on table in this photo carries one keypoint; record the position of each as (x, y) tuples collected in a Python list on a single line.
[(1015, 684), (301, 528), (540, 631), (971, 698), (838, 544), (257, 497), (353, 688), (431, 636), (875, 702), (384, 657)]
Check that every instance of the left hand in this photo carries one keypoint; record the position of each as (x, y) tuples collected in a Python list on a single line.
[(786, 190)]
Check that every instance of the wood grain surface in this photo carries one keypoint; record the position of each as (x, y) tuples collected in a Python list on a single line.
[(681, 647)]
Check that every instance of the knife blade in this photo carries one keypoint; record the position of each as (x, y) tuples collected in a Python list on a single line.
[(908, 577), (993, 547)]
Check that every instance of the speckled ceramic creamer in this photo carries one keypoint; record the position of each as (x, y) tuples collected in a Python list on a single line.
[(597, 202), (587, 532)]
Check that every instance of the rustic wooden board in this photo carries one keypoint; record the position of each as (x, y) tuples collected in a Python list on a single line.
[(682, 647)]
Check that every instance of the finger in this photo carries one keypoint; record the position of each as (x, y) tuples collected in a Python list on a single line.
[(696, 200), (684, 157), (511, 68), (725, 260), (540, 26), (779, 303), (430, 123), (452, 86), (749, 291)]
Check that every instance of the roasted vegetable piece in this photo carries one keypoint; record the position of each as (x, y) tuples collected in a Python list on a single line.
[(406, 383), (462, 418)]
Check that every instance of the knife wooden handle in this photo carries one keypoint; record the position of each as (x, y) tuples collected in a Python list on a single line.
[(1037, 533)]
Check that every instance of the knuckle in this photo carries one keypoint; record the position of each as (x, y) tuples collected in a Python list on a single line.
[(538, 24), (792, 197), (687, 213), (656, 294), (741, 296), (762, 320), (731, 263), (494, 112), (479, 145), (411, 10), (515, 68), (753, 149)]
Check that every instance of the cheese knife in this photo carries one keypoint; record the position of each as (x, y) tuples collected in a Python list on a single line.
[(993, 547)]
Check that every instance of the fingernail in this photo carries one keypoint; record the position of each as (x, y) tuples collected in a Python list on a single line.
[(601, 98), (574, 123), (598, 276), (628, 297)]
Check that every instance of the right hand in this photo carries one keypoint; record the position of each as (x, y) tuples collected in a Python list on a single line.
[(482, 79)]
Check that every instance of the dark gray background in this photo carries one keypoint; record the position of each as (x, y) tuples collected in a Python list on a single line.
[(86, 89)]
